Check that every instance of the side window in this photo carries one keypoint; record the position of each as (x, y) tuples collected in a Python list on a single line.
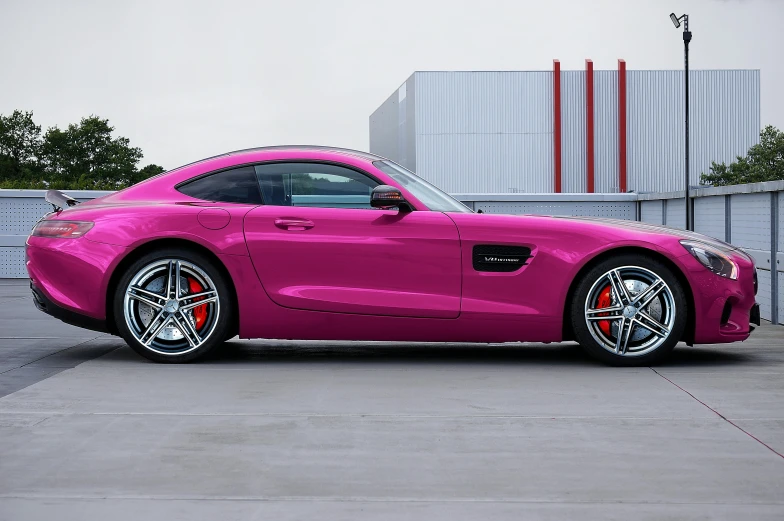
[(238, 185), (314, 184)]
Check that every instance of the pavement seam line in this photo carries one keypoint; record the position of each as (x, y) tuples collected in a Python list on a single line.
[(347, 415), (372, 499), (50, 354), (717, 413)]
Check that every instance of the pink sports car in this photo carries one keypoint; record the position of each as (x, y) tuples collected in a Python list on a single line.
[(307, 242)]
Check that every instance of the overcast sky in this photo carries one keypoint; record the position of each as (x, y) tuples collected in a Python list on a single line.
[(189, 79)]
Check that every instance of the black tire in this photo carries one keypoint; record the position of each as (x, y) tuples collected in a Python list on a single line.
[(596, 341), (220, 324)]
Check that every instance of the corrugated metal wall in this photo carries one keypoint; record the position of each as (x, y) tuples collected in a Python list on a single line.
[(605, 95), (724, 123), (654, 129), (493, 131), (573, 131), (485, 132), (392, 126)]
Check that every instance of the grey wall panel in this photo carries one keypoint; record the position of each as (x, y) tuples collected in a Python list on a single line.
[(651, 212), (709, 216), (676, 213), (573, 177), (763, 293), (18, 215), (781, 297), (781, 224), (485, 132), (608, 209), (606, 131), (751, 221), (724, 121), (12, 263)]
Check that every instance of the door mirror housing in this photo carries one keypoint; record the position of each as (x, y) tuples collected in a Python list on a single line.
[(386, 197)]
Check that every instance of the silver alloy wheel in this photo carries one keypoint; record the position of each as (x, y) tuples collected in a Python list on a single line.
[(160, 309), (640, 315)]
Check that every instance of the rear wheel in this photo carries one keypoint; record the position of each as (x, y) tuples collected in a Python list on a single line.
[(173, 306), (629, 310)]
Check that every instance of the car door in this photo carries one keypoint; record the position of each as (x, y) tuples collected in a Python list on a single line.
[(317, 245)]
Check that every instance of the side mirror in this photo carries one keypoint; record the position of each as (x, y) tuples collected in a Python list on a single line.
[(386, 197)]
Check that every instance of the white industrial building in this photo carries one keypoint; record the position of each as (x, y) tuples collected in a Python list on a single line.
[(566, 131)]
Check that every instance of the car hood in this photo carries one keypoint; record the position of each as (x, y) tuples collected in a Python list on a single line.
[(653, 228)]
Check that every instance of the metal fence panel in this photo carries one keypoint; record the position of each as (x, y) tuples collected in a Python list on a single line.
[(763, 293), (781, 297), (751, 221), (781, 224), (651, 212), (608, 209), (12, 262), (676, 214), (709, 216)]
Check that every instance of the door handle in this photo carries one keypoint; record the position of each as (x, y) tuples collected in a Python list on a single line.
[(294, 224)]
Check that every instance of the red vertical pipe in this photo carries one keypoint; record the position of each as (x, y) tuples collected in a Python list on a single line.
[(589, 148), (622, 125), (557, 123)]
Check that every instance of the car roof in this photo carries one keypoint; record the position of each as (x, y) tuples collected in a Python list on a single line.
[(304, 148)]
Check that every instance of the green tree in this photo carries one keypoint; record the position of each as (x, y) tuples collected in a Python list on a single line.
[(86, 156), (81, 156), (763, 162), (20, 146), (147, 172)]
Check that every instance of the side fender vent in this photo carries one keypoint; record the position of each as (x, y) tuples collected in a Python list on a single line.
[(500, 258)]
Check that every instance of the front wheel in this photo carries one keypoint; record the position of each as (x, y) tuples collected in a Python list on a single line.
[(629, 310), (173, 306)]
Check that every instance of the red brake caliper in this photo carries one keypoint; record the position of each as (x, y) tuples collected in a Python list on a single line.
[(604, 301), (199, 312)]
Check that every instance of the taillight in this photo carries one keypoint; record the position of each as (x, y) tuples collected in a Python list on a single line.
[(61, 229)]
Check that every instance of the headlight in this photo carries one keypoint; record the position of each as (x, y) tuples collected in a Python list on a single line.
[(713, 259)]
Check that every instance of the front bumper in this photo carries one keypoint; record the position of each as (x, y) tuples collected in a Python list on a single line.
[(725, 309), (754, 314)]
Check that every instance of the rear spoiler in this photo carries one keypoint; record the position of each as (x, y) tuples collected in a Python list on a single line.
[(59, 200)]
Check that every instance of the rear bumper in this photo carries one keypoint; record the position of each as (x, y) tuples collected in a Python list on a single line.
[(43, 303), (72, 274)]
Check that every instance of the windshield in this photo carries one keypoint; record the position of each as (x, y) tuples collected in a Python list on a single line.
[(430, 196)]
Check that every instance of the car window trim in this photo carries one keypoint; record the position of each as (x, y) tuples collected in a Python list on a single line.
[(280, 161), (215, 172)]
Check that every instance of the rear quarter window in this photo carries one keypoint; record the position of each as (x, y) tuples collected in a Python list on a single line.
[(238, 185)]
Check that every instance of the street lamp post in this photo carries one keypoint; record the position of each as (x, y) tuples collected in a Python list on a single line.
[(676, 20)]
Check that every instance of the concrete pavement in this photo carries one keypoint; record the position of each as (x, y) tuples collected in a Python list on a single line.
[(292, 430)]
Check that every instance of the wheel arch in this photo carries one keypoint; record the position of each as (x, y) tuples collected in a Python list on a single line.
[(151, 246), (568, 334)]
